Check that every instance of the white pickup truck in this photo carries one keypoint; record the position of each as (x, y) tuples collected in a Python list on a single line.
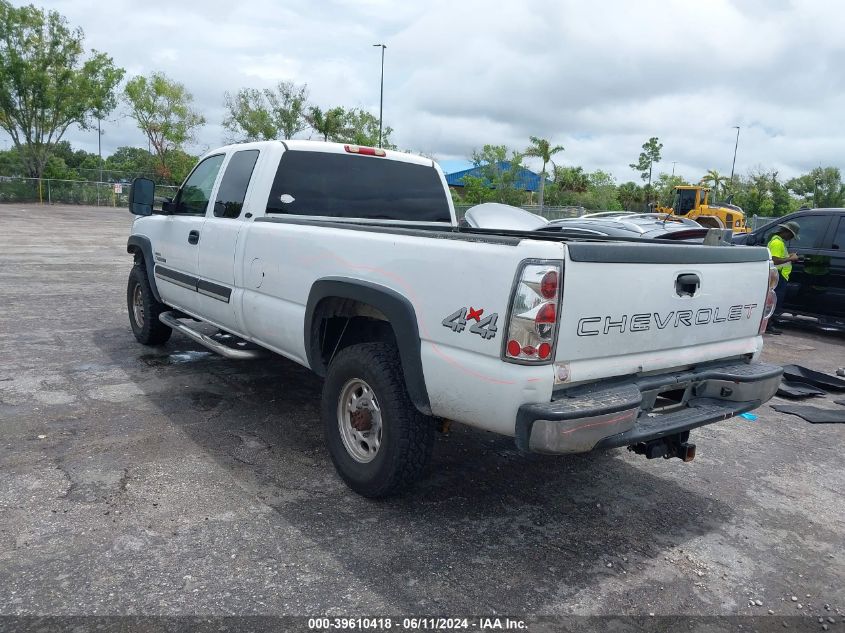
[(349, 260)]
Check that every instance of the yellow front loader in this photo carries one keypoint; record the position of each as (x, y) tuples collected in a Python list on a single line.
[(693, 202)]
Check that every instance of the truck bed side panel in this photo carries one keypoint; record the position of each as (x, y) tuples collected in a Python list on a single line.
[(438, 276)]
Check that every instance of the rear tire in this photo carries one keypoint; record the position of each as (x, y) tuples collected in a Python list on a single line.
[(144, 309), (378, 441)]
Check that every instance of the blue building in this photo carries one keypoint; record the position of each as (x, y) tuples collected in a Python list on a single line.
[(526, 180)]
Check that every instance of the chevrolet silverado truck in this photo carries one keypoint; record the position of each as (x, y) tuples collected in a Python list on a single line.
[(350, 261)]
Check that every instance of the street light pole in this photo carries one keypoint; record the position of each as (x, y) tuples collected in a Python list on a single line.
[(381, 94), (674, 162), (733, 166)]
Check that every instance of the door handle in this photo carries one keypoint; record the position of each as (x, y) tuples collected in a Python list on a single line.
[(686, 285), (193, 237)]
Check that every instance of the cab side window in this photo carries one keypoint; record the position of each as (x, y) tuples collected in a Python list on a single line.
[(195, 194), (232, 190), (811, 230)]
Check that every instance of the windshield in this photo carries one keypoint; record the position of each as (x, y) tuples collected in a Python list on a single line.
[(684, 201)]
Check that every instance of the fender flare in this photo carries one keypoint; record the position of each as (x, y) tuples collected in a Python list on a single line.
[(141, 243), (400, 314)]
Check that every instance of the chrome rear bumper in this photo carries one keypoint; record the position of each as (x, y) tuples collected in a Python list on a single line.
[(627, 412)]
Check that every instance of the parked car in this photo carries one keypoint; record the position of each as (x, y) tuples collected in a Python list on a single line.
[(349, 260), (816, 286), (622, 224)]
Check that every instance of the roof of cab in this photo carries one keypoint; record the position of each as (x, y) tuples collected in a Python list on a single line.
[(329, 148)]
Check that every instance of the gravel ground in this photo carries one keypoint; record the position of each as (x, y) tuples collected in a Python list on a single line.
[(172, 481)]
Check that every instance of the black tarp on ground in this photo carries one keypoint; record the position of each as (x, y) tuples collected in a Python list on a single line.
[(813, 415), (797, 390), (795, 373)]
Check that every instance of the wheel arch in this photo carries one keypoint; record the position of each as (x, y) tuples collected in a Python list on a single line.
[(139, 244), (398, 313)]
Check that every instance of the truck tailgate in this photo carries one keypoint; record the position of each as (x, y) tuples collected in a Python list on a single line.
[(655, 306)]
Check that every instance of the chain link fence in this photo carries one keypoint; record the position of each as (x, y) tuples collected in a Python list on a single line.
[(754, 222), (82, 192)]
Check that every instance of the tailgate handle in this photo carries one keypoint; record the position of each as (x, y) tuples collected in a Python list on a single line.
[(686, 285)]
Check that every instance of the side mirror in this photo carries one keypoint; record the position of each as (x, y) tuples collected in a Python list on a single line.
[(142, 196)]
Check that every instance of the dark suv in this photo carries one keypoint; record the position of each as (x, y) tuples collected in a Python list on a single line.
[(817, 284)]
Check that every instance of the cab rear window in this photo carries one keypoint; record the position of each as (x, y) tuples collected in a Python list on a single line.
[(349, 186)]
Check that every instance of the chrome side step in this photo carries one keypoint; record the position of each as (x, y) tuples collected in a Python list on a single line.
[(170, 320)]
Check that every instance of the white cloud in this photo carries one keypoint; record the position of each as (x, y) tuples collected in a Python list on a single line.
[(598, 78)]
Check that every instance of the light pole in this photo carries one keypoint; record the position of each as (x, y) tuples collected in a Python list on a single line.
[(381, 93), (733, 166), (674, 162)]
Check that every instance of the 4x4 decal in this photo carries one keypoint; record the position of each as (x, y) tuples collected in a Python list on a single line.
[(485, 328)]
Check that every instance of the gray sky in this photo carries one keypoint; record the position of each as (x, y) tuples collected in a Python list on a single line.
[(596, 77)]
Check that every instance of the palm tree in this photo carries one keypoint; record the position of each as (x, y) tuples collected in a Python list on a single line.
[(715, 179), (540, 148)]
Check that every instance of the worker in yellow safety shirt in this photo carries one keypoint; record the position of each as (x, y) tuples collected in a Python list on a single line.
[(782, 259)]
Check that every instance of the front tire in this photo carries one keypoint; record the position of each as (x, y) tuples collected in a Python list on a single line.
[(144, 309), (379, 443)]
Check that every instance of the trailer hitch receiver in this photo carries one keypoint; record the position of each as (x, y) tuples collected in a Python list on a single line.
[(667, 447)]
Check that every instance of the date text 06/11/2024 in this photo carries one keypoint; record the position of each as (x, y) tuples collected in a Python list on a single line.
[(417, 624)]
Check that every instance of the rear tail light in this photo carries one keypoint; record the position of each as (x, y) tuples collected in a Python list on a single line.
[(534, 312), (771, 298)]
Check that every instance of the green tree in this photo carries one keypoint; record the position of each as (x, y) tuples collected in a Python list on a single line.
[(46, 84), (131, 162), (753, 192), (782, 201), (329, 124), (645, 163), (263, 115), (74, 158), (714, 179), (542, 149), (500, 172), (162, 109), (822, 186), (630, 195), (475, 190), (57, 168), (11, 163), (593, 191), (664, 188), (361, 128), (603, 191), (571, 179), (178, 164), (65, 163)]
